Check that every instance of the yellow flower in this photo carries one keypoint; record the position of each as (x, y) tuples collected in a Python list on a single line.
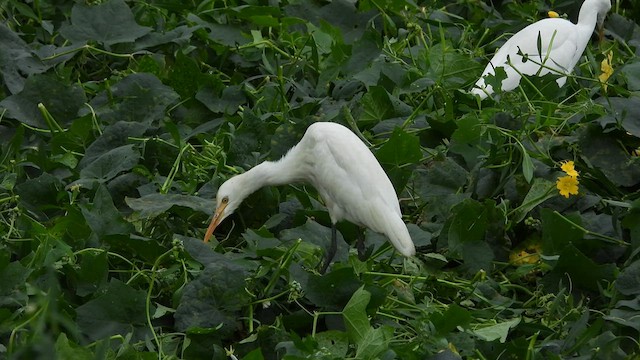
[(568, 167), (553, 14), (567, 185), (606, 69), (528, 253)]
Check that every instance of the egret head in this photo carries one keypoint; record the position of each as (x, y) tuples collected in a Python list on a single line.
[(230, 195)]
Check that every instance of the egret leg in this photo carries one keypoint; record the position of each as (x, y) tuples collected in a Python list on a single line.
[(360, 246), (331, 251)]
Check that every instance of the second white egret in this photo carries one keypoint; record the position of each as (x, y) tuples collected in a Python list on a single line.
[(552, 45)]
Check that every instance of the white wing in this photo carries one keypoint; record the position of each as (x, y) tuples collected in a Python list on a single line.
[(353, 184)]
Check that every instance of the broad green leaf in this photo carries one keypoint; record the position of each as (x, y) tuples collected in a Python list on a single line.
[(119, 311), (16, 60), (499, 331), (449, 320), (65, 349), (13, 277), (376, 105), (226, 101), (228, 35), (541, 190), (624, 315), (91, 274), (136, 98), (103, 217), (113, 136), (576, 269), (214, 299), (61, 99), (355, 315), (108, 23), (108, 165), (400, 150), (342, 16), (450, 68), (466, 234), (336, 342), (152, 205), (557, 232), (631, 72), (363, 52), (333, 290), (40, 195), (375, 342), (316, 234), (628, 281), (603, 152), (623, 112)]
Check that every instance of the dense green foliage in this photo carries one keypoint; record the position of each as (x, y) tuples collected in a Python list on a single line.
[(119, 120)]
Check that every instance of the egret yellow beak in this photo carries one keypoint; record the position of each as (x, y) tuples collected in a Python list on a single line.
[(215, 221)]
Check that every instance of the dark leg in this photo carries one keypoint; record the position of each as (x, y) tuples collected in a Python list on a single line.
[(360, 246), (331, 252)]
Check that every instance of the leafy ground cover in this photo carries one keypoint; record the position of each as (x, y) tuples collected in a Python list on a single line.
[(119, 120)]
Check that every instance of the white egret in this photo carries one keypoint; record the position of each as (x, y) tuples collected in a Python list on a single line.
[(552, 45), (346, 174)]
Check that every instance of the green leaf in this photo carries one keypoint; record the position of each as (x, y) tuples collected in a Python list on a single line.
[(541, 190), (466, 235), (449, 320), (16, 60), (316, 234), (91, 274), (61, 98), (355, 316), (631, 72), (108, 23), (333, 290), (103, 217), (628, 282), (138, 98), (214, 299), (374, 343), (119, 311), (527, 166), (152, 205), (40, 195), (65, 349), (13, 277), (227, 101), (376, 105), (110, 164), (557, 232), (499, 331), (574, 268), (399, 156), (336, 342), (603, 152), (622, 112)]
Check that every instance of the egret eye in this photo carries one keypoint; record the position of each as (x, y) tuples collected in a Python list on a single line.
[(225, 200)]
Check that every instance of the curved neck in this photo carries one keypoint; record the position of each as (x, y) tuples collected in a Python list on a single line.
[(588, 16), (289, 169)]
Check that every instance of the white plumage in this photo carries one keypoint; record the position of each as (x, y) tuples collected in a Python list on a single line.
[(561, 46), (346, 174)]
